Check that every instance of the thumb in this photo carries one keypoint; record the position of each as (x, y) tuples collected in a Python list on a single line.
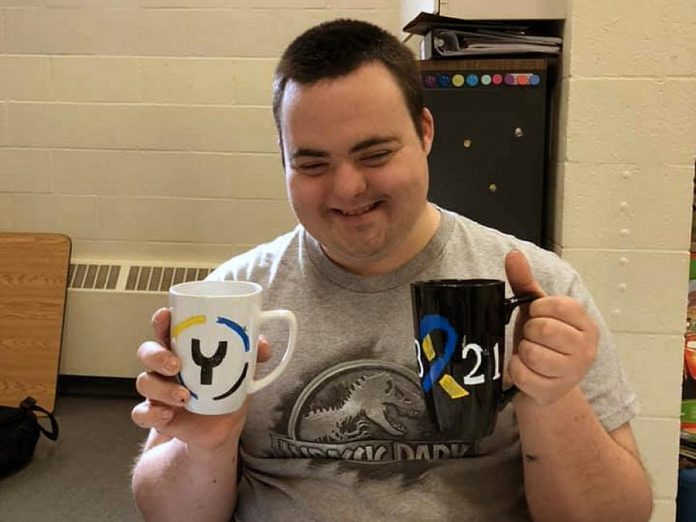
[(519, 275)]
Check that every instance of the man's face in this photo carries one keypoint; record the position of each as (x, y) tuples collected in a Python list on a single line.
[(356, 170)]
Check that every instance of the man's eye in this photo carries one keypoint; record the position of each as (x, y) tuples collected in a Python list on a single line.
[(312, 168), (377, 157)]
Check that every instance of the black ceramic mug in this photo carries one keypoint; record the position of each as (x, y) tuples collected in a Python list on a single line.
[(459, 329)]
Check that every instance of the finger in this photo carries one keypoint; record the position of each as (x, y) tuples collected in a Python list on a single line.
[(156, 358), (161, 389), (160, 324), (519, 275), (562, 308), (531, 383), (264, 349), (551, 333), (543, 361), (149, 415)]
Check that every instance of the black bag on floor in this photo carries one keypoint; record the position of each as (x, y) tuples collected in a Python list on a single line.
[(19, 433)]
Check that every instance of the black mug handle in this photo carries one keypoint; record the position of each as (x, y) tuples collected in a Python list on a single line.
[(510, 305)]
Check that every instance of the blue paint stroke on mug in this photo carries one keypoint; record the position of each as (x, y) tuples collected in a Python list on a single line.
[(240, 330), (194, 395), (437, 368)]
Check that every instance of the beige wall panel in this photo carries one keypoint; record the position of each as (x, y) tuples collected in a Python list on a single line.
[(5, 212), (637, 291), (207, 129), (2, 31), (155, 251), (664, 511), (390, 20), (120, 32), (180, 4), (653, 364), (119, 4), (24, 77), (254, 81), (3, 124), (75, 216), (73, 125), (195, 220), (186, 80), (265, 33), (71, 31), (634, 38), (363, 4), (165, 33), (236, 175), (26, 31), (626, 206), (677, 104), (86, 79), (25, 170), (614, 121), (101, 172), (171, 174), (658, 442), (247, 32), (259, 4), (619, 121)]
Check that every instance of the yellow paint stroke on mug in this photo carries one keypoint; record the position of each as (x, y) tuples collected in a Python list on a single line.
[(187, 323), (428, 348), (452, 387)]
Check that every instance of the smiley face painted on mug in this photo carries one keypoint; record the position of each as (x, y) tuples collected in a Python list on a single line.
[(216, 349)]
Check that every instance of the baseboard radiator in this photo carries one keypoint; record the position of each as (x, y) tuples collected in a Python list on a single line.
[(108, 311)]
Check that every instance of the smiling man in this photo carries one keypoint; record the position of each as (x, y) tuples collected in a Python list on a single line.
[(343, 434), (361, 188)]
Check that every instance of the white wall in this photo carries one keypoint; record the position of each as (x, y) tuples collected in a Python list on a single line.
[(143, 128), (624, 195)]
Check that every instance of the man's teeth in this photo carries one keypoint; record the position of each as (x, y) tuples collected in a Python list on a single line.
[(358, 211)]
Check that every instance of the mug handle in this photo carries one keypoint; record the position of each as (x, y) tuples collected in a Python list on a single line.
[(510, 305), (289, 317)]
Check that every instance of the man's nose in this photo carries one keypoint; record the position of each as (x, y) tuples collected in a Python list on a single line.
[(349, 180)]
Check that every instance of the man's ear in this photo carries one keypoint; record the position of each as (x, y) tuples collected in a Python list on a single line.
[(427, 129)]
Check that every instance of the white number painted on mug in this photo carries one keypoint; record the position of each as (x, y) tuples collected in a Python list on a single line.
[(471, 378), (421, 371)]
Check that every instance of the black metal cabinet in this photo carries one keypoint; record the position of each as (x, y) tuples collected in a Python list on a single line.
[(489, 157)]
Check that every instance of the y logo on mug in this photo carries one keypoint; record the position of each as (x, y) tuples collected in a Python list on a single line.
[(207, 364)]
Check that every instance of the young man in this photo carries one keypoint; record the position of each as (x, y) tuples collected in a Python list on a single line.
[(343, 434)]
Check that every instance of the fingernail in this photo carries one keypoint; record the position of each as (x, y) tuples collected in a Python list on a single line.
[(180, 396), (166, 414)]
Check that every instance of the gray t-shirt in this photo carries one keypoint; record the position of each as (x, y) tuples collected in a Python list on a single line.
[(343, 433)]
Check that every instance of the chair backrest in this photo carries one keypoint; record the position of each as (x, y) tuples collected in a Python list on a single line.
[(33, 285)]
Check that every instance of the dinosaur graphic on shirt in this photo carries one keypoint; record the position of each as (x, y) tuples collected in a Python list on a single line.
[(373, 401)]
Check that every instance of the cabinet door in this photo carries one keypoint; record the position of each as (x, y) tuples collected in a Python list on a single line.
[(488, 157)]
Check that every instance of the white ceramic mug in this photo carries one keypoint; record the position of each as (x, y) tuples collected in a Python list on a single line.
[(214, 331)]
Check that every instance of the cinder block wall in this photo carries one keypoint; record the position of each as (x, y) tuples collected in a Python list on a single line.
[(142, 128), (624, 194)]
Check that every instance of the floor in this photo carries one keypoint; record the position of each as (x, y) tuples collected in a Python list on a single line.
[(85, 474)]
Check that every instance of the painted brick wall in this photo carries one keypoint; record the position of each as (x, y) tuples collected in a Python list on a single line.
[(624, 195), (142, 128)]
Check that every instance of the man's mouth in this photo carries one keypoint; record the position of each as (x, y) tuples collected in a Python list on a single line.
[(357, 211)]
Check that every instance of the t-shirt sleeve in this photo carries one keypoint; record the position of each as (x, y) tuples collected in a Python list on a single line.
[(605, 385)]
